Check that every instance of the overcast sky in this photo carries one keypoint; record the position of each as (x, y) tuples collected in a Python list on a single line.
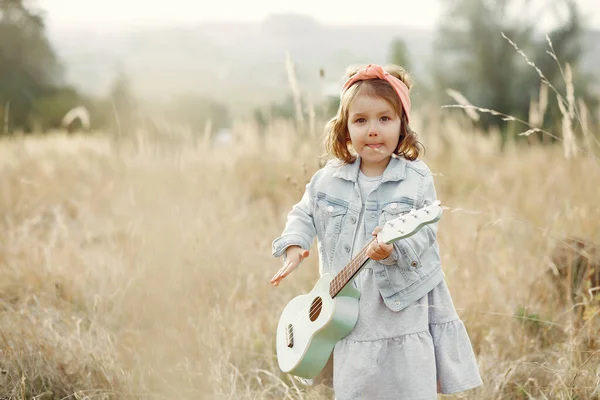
[(111, 14)]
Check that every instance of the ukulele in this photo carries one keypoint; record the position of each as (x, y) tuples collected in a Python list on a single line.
[(311, 324)]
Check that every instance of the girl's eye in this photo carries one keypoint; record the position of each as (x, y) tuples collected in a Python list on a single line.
[(385, 118), (360, 120)]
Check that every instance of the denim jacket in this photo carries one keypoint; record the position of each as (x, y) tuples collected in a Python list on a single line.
[(330, 209)]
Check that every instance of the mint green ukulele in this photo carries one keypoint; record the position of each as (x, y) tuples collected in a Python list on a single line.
[(311, 324)]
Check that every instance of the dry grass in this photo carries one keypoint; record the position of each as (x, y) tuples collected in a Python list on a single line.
[(144, 272)]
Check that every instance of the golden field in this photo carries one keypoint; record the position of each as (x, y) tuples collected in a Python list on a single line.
[(139, 268)]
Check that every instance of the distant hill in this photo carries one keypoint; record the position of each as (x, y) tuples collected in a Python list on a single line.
[(235, 63), (241, 64)]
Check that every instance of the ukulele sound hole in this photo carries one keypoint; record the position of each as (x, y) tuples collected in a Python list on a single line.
[(315, 308)]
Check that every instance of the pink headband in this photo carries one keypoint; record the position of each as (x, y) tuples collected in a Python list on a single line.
[(374, 71)]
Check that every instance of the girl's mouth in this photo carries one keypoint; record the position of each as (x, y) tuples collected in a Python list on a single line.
[(374, 146)]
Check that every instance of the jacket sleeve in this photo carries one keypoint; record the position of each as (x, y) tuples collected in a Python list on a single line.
[(407, 252), (300, 226)]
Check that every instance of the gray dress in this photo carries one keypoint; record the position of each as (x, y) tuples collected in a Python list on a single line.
[(402, 355)]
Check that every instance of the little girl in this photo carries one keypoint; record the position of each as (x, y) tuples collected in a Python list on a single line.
[(408, 342)]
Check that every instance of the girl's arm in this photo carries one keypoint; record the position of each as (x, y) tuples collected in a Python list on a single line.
[(407, 252), (300, 227)]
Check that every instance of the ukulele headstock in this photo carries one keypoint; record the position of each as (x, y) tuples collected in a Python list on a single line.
[(409, 223)]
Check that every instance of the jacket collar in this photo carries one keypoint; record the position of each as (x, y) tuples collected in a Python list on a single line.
[(395, 170)]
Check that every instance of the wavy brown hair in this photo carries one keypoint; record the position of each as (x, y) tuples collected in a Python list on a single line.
[(336, 135)]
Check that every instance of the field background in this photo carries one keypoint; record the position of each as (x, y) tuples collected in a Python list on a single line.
[(139, 267)]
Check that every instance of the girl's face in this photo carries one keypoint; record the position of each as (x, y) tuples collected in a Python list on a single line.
[(374, 129)]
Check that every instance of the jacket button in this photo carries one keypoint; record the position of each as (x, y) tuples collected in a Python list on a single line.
[(347, 248), (397, 303), (330, 209), (413, 264), (352, 220), (382, 274), (372, 216), (393, 206)]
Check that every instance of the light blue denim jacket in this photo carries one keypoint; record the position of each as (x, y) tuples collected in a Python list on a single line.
[(330, 209)]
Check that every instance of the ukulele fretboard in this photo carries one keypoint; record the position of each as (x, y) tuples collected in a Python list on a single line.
[(349, 271)]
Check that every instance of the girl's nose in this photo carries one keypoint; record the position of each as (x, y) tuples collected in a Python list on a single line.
[(372, 130)]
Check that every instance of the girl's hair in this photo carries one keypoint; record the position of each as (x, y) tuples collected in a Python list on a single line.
[(337, 137)]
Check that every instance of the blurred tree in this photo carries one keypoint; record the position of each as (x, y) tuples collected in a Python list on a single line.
[(474, 59), (567, 44), (28, 64), (399, 53)]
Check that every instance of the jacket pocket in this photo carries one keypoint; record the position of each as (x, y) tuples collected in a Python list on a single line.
[(395, 209), (330, 215)]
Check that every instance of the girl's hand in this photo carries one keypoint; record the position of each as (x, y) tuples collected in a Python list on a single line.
[(294, 256), (379, 250)]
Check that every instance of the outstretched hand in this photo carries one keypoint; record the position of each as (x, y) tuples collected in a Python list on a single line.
[(379, 250), (294, 256)]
